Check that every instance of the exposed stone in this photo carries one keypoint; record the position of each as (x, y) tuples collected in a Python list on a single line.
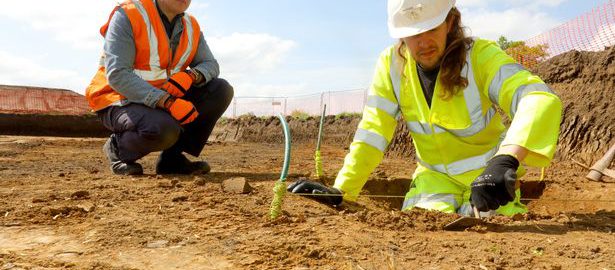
[(157, 244), (237, 185), (87, 207)]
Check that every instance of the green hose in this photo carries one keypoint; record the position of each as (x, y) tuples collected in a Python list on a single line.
[(317, 157), (279, 190)]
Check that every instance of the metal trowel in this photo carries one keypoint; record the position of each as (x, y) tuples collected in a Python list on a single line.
[(464, 222)]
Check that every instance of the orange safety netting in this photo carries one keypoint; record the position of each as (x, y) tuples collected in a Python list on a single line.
[(35, 100), (591, 31)]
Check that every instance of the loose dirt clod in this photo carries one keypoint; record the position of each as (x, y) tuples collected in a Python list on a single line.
[(86, 206), (80, 195), (238, 185)]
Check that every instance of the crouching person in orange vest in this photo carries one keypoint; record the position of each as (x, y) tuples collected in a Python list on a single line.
[(156, 87)]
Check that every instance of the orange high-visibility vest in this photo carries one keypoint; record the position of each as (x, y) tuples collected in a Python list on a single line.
[(153, 61)]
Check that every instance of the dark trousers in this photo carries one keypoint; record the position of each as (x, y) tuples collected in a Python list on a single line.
[(140, 130)]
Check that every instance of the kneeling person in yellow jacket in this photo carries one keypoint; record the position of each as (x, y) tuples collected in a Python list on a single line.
[(446, 87)]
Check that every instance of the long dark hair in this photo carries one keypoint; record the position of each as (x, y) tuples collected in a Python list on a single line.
[(454, 58)]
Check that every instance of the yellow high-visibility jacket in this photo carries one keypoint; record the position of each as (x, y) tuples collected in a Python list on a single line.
[(456, 136)]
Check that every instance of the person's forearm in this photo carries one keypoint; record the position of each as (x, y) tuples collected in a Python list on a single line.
[(164, 101), (133, 88), (205, 62), (359, 163), (535, 127), (516, 151)]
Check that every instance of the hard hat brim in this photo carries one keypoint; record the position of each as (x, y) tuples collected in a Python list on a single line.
[(415, 29)]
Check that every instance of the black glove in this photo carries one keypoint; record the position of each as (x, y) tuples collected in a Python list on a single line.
[(311, 187), (496, 185)]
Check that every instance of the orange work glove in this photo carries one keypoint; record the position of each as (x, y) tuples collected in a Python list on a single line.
[(182, 110), (179, 84)]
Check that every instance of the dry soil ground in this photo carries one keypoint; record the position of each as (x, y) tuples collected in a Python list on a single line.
[(61, 208)]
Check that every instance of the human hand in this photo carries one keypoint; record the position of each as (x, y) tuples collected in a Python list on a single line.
[(178, 84), (496, 185), (304, 186), (182, 110)]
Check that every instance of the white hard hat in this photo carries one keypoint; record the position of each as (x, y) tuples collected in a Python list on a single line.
[(412, 17)]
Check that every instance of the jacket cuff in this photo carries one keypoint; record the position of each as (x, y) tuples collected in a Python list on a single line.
[(153, 97)]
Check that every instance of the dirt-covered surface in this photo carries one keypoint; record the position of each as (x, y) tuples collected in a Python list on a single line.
[(61, 208), (585, 81), (86, 125)]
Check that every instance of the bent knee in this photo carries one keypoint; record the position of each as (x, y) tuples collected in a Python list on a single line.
[(169, 135), (225, 90), (163, 135)]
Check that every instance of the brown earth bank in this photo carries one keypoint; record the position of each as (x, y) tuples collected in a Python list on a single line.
[(61, 208), (585, 81), (338, 130), (52, 125)]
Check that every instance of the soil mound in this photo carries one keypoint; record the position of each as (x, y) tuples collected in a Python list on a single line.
[(61, 125), (249, 128), (337, 130), (585, 81)]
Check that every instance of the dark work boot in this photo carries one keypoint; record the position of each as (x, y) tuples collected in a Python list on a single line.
[(179, 164), (117, 166)]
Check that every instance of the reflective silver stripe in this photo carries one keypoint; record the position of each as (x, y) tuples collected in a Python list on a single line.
[(151, 75), (154, 58), (437, 167), (505, 72), (471, 94), (461, 166), (101, 61), (155, 72), (473, 105), (384, 104), (371, 138), (438, 129), (418, 127), (394, 70), (190, 33), (430, 198), (525, 89), (423, 128), (413, 126), (466, 210), (478, 125)]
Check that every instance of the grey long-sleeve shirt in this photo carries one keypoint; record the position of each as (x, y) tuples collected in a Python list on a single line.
[(120, 53)]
